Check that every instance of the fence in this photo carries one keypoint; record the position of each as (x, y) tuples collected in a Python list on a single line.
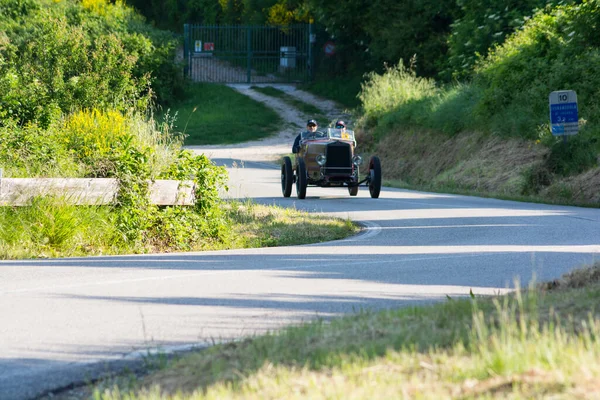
[(249, 54)]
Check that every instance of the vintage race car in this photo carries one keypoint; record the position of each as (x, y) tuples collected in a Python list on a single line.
[(327, 159)]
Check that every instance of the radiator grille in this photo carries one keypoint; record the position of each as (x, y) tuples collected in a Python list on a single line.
[(339, 155)]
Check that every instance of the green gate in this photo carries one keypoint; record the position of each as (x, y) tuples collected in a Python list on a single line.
[(248, 54)]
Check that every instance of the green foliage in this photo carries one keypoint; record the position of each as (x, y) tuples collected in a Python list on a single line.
[(204, 116), (33, 151), (395, 88), (56, 57), (16, 9), (131, 149), (398, 99), (343, 90), (573, 156), (208, 180), (481, 25), (49, 228), (554, 51), (403, 29)]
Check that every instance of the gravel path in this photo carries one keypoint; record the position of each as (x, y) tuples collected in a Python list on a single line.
[(271, 148)]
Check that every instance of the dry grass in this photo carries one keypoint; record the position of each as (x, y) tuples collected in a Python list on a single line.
[(583, 188), (476, 164), (469, 161), (576, 279)]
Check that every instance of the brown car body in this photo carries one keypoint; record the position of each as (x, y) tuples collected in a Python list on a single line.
[(326, 159)]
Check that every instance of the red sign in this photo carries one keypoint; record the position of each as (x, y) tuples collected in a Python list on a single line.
[(329, 48), (209, 46)]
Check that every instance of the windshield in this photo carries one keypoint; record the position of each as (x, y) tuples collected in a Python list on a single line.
[(331, 133), (307, 135), (344, 134)]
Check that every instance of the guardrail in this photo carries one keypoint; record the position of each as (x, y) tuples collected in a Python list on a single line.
[(89, 191)]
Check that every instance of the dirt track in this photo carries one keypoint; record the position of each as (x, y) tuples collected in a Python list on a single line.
[(271, 148)]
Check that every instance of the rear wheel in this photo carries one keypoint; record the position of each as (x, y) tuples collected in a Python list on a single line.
[(353, 190), (301, 179), (374, 177), (287, 177)]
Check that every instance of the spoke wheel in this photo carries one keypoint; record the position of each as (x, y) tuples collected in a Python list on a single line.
[(287, 177), (301, 179), (374, 177)]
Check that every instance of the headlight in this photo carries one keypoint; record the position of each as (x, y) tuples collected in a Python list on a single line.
[(321, 159), (356, 160)]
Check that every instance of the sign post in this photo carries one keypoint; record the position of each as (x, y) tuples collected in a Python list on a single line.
[(564, 116)]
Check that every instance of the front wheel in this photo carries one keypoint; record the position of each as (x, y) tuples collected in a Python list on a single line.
[(374, 177), (353, 190), (301, 179), (287, 177)]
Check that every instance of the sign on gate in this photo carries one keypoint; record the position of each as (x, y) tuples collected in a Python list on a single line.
[(564, 116)]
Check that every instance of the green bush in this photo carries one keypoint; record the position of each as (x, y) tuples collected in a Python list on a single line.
[(554, 51), (574, 156), (482, 25), (131, 149), (397, 87), (65, 56), (509, 94), (398, 99)]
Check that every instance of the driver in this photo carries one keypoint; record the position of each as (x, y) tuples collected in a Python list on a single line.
[(311, 126), (340, 125)]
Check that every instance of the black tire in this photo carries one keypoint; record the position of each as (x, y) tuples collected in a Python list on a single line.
[(353, 190), (287, 177), (374, 177), (301, 179)]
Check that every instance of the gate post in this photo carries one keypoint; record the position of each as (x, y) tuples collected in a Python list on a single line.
[(310, 53), (249, 57), (186, 48)]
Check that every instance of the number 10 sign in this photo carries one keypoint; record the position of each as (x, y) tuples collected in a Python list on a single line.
[(564, 118)]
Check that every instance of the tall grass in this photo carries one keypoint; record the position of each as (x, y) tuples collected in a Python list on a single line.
[(529, 344), (398, 99), (49, 228)]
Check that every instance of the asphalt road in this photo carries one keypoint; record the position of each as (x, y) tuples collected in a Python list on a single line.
[(67, 320)]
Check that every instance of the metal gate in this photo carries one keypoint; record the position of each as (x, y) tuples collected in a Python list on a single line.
[(248, 54)]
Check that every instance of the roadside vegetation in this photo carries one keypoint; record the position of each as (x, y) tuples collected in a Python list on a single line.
[(540, 341), (79, 85), (451, 86), (204, 116), (492, 134)]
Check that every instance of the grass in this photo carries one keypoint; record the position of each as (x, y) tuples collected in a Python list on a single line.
[(308, 109), (51, 229), (257, 225), (535, 343), (474, 164), (343, 90), (218, 114)]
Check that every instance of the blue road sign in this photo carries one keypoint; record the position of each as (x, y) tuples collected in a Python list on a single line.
[(564, 114)]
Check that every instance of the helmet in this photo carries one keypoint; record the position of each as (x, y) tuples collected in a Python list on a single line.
[(312, 122), (340, 124)]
